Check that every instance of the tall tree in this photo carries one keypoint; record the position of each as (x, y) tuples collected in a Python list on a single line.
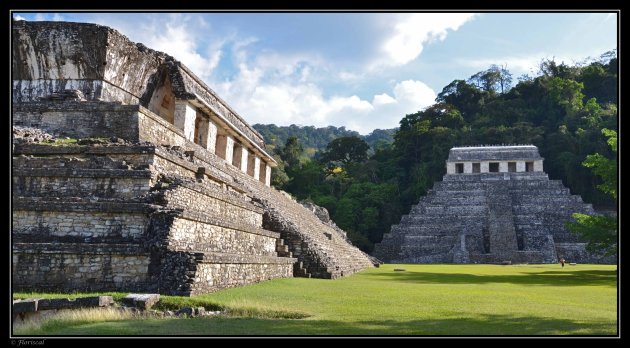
[(346, 150), (291, 152), (600, 231)]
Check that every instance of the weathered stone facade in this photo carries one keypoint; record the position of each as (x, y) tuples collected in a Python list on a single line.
[(167, 188), (494, 204)]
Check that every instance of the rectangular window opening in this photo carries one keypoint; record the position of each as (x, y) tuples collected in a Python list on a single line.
[(493, 167)]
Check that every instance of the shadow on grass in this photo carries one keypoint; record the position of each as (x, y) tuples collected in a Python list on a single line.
[(555, 278), (500, 325)]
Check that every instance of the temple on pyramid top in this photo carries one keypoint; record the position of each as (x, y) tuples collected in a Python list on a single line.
[(494, 159)]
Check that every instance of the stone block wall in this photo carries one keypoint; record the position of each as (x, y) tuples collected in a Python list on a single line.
[(188, 234), (79, 267), (79, 120), (238, 274), (44, 225), (55, 182)]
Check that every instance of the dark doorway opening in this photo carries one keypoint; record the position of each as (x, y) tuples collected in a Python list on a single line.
[(476, 168), (529, 166), (512, 167), (519, 240), (459, 168), (486, 240)]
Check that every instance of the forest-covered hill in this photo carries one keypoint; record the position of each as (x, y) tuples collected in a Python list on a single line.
[(313, 139), (561, 110)]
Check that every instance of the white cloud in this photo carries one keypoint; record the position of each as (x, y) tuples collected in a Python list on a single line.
[(288, 89), (382, 99), (178, 40), (415, 91), (57, 17), (18, 18), (290, 102), (414, 30)]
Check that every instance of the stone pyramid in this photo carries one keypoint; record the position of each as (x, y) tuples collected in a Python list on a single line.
[(494, 204)]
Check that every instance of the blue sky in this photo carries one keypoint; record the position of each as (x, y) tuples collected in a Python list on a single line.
[(359, 70)]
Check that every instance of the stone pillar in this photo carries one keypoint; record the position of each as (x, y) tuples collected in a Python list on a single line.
[(268, 176), (538, 166), (262, 175), (467, 167), (184, 119), (485, 167), (450, 167), (256, 167), (211, 143), (520, 166), (240, 157), (229, 149), (225, 147), (503, 167)]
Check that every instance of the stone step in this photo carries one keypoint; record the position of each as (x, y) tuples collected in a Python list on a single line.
[(437, 218), (472, 200), (549, 210), (452, 210), (229, 258), (435, 230)]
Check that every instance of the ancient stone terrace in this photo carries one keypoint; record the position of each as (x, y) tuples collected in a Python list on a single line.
[(494, 204), (129, 173)]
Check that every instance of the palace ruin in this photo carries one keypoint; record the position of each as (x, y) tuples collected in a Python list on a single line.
[(154, 182), (494, 204)]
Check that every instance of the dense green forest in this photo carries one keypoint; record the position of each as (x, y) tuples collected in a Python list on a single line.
[(314, 140), (367, 187)]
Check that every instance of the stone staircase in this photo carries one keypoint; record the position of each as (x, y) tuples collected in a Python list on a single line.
[(322, 252)]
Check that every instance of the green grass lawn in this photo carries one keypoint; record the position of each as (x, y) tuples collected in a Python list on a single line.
[(423, 300)]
